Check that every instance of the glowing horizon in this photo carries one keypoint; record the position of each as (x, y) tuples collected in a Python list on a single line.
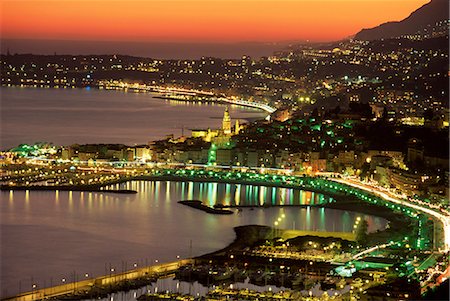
[(197, 21)]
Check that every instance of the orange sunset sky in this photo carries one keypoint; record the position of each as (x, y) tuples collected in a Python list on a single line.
[(197, 21)]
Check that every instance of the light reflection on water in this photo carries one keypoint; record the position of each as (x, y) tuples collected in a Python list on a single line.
[(212, 193), (47, 236)]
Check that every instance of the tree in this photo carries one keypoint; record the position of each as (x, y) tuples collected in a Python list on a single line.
[(361, 232)]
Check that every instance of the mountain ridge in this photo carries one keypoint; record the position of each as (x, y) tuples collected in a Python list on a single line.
[(428, 14)]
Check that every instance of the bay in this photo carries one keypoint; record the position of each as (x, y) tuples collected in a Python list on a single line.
[(47, 236), (69, 116)]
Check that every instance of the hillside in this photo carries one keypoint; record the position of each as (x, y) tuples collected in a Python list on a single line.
[(424, 17)]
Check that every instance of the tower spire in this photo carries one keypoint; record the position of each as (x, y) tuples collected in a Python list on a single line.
[(226, 122)]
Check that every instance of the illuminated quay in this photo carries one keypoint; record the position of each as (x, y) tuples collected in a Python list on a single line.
[(185, 94)]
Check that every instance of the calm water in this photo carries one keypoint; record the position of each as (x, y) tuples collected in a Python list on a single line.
[(68, 116), (47, 236)]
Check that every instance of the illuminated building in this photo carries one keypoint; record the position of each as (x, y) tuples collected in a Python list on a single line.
[(206, 135), (406, 182), (237, 127), (226, 122), (218, 136)]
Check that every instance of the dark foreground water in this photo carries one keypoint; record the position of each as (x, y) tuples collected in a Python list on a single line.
[(68, 116), (48, 236)]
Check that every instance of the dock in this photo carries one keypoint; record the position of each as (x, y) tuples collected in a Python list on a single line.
[(105, 281)]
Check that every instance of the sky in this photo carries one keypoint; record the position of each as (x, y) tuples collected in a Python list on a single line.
[(212, 21)]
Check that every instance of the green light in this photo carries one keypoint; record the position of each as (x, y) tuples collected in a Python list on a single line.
[(315, 127)]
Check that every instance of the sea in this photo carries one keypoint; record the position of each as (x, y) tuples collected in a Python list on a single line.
[(69, 116)]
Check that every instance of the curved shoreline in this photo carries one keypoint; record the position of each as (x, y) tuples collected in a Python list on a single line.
[(218, 101), (342, 201)]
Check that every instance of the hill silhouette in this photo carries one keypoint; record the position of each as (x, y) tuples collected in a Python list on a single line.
[(428, 14)]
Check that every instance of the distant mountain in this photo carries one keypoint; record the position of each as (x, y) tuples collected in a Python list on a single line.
[(429, 14)]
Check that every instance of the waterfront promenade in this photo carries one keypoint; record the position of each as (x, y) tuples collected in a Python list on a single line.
[(440, 216), (104, 281), (187, 95)]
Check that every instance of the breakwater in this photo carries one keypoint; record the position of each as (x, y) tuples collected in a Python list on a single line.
[(105, 283), (200, 206)]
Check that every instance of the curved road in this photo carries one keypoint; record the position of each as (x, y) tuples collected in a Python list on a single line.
[(445, 219)]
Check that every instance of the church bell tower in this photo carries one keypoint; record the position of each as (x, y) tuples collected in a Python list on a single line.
[(226, 122)]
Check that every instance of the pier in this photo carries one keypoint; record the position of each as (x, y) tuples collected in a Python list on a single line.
[(105, 281)]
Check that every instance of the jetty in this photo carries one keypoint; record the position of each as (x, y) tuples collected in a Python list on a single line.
[(102, 285), (199, 205)]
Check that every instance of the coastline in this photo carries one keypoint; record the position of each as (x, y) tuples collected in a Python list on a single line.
[(343, 202), (220, 100), (340, 201), (397, 221), (158, 94)]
